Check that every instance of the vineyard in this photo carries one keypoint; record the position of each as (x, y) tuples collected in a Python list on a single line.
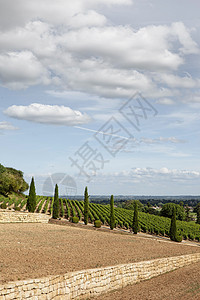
[(71, 208)]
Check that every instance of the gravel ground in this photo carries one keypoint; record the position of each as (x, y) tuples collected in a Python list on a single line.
[(181, 284), (37, 250)]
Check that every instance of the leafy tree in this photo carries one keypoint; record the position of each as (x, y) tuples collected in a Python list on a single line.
[(86, 206), (11, 181), (31, 201), (173, 229), (56, 206), (181, 203), (2, 168), (112, 213), (167, 211), (135, 225), (130, 204)]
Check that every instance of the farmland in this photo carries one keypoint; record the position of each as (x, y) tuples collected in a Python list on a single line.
[(69, 208), (38, 250)]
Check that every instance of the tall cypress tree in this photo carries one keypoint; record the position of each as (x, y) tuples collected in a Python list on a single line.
[(135, 225), (173, 229), (187, 213), (31, 201), (112, 213), (86, 206), (198, 213), (56, 205)]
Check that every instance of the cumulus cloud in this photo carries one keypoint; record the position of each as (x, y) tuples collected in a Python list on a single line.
[(147, 177), (89, 19), (57, 12), (164, 172), (145, 49), (72, 46), (21, 69), (47, 114), (188, 45), (7, 126)]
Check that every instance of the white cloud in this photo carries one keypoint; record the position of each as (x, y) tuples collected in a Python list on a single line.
[(165, 101), (47, 114), (21, 69), (123, 60), (151, 177), (91, 18), (58, 12), (146, 49), (74, 47), (164, 172), (7, 126), (188, 45), (173, 140), (175, 81)]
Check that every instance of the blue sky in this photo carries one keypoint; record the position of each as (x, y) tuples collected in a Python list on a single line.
[(102, 93)]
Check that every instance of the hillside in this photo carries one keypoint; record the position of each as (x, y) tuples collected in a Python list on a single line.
[(70, 208)]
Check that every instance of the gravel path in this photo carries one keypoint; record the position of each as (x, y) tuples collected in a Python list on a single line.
[(36, 250)]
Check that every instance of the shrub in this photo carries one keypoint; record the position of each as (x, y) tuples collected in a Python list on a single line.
[(178, 238), (3, 205), (75, 219), (97, 223), (17, 208)]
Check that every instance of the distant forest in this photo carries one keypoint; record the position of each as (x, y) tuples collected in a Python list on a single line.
[(153, 200)]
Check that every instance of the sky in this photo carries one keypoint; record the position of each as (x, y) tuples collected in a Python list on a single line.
[(104, 94)]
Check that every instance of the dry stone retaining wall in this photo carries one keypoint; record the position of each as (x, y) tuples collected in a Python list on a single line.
[(7, 216), (89, 283)]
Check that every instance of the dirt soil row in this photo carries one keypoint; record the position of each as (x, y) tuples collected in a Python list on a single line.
[(37, 250)]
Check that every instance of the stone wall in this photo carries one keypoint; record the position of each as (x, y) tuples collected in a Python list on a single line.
[(90, 283), (7, 216)]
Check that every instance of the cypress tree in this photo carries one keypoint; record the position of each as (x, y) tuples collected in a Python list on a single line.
[(173, 229), (31, 201), (86, 206), (187, 212), (198, 213), (112, 214), (135, 225), (56, 205)]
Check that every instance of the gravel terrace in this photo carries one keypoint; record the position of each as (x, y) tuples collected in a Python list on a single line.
[(37, 250), (181, 284)]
